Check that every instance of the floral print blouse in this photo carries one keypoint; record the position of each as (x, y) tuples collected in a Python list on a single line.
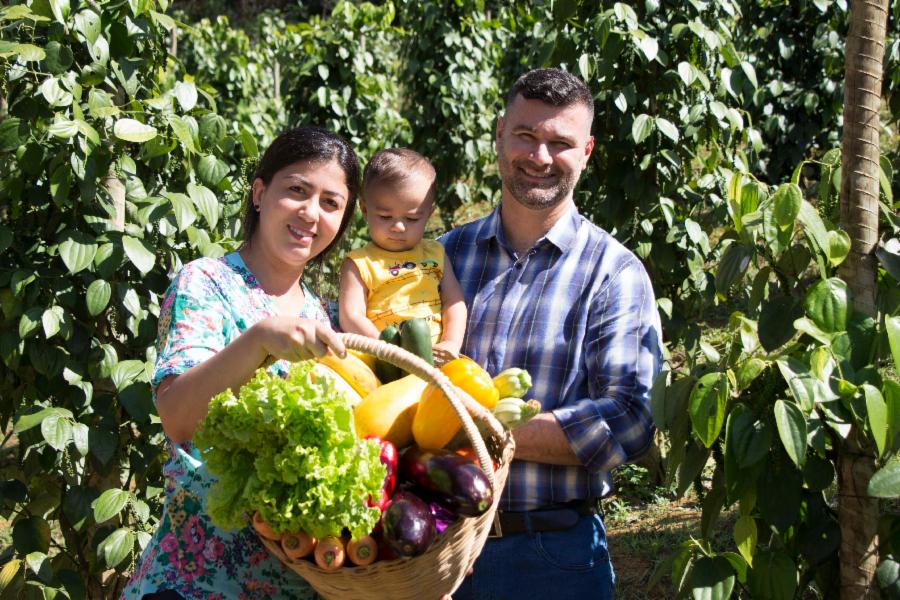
[(209, 304)]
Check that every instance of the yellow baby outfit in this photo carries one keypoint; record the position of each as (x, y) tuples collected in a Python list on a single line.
[(402, 285)]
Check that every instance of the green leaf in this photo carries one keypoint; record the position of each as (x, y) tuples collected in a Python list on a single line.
[(792, 430), (732, 266), (77, 250), (183, 133), (131, 130), (827, 303), (97, 298), (186, 94), (125, 372), (131, 302), (745, 537), (892, 402), (57, 431), (687, 73), (87, 23), (749, 371), (31, 534), (117, 546), (876, 411), (707, 406), (139, 253), (10, 570), (205, 202), (748, 438), (100, 104), (712, 578), (248, 141), (211, 170), (667, 128), (776, 322), (80, 437), (13, 133), (50, 321), (892, 327), (649, 46), (787, 201), (63, 128), (29, 52), (838, 247), (39, 564), (806, 389), (183, 210), (885, 483), (773, 576), (641, 128), (109, 504)]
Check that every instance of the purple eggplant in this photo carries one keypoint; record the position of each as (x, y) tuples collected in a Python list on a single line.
[(443, 516), (408, 525), (448, 478)]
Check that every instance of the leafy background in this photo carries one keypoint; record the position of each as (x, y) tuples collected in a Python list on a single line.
[(127, 132)]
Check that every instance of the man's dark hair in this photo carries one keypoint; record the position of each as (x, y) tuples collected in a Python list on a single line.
[(553, 86)]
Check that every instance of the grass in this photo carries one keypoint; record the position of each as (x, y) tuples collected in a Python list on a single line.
[(645, 525)]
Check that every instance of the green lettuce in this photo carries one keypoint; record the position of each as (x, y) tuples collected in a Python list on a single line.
[(288, 448)]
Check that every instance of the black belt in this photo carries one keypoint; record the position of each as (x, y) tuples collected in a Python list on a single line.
[(552, 518)]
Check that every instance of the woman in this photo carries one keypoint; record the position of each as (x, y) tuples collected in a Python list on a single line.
[(220, 321)]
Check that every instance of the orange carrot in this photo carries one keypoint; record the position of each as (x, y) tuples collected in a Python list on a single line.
[(329, 553), (363, 551), (297, 545), (263, 529)]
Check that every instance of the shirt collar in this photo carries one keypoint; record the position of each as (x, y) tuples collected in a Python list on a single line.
[(562, 234)]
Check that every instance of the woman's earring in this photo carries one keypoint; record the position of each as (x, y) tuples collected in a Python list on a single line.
[(256, 206)]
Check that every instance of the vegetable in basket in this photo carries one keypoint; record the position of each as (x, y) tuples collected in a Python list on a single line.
[(512, 383), (408, 525), (388, 457), (449, 478), (287, 447), (436, 422)]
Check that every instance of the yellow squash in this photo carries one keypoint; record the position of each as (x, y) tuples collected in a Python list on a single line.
[(353, 370), (436, 423), (389, 410), (340, 385)]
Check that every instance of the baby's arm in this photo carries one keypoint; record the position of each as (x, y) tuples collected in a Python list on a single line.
[(352, 302), (453, 311)]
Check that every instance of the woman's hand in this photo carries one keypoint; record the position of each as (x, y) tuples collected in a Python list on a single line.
[(294, 338)]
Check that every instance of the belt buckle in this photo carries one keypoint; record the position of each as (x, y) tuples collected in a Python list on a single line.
[(496, 530)]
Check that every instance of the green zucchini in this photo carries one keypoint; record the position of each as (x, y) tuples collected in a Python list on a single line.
[(385, 371), (415, 337)]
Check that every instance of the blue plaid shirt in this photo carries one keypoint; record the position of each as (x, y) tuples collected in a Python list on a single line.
[(578, 312)]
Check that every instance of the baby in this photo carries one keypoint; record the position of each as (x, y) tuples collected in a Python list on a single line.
[(398, 275)]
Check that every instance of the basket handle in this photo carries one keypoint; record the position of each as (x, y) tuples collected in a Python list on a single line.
[(463, 404)]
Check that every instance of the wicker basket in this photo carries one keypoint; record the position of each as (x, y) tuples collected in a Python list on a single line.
[(441, 569)]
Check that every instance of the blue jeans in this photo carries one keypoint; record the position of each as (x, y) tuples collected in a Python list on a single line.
[(573, 563)]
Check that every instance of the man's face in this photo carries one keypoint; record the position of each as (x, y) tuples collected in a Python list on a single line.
[(542, 150)]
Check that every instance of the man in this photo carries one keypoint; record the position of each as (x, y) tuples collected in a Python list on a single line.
[(550, 292)]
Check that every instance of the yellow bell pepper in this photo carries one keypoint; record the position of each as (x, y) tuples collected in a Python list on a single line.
[(436, 423)]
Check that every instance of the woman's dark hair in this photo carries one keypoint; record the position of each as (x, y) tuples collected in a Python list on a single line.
[(552, 86), (310, 144)]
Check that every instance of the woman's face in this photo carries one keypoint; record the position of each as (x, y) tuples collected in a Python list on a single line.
[(300, 210)]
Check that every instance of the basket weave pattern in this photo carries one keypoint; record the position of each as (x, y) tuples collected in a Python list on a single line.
[(441, 569)]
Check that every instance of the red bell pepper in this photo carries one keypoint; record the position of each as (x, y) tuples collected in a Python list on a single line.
[(388, 457)]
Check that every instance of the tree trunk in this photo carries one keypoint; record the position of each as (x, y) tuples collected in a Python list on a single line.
[(858, 512)]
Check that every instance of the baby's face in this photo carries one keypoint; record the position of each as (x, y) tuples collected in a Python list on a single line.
[(397, 214)]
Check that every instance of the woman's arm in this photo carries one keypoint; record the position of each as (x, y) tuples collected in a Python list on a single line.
[(352, 302), (182, 400), (453, 311)]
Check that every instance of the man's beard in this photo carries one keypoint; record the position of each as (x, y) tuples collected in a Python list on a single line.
[(528, 194)]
